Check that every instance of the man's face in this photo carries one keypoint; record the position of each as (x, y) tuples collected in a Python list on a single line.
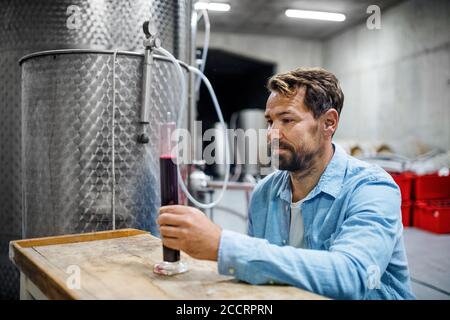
[(293, 133)]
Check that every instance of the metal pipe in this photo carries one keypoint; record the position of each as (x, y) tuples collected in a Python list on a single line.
[(146, 85), (192, 101), (77, 51), (232, 185), (151, 42)]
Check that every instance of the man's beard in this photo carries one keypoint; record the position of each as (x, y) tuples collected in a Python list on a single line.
[(291, 160)]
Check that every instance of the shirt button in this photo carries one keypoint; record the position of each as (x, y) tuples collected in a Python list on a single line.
[(284, 241), (231, 270)]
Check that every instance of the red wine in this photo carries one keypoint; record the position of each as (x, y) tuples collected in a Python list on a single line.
[(169, 196)]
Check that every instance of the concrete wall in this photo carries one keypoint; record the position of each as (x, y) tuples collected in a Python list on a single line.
[(287, 53), (396, 80)]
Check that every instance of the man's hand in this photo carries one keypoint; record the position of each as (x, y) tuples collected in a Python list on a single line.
[(188, 229)]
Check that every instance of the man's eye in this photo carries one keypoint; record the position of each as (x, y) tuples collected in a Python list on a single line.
[(286, 120)]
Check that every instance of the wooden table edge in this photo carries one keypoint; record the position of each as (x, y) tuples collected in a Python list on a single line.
[(54, 288)]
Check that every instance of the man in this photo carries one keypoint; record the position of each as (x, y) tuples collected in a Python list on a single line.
[(324, 222)]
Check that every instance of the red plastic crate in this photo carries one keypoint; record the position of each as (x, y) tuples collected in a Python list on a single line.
[(404, 181), (416, 210), (406, 213), (431, 186), (432, 215)]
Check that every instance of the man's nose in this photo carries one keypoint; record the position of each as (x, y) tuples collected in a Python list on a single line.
[(273, 134)]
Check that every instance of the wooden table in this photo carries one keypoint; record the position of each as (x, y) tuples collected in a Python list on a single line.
[(119, 265)]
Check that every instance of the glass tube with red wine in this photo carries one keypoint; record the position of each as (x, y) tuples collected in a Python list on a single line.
[(171, 263)]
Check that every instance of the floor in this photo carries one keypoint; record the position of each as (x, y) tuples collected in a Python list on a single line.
[(428, 253), (429, 262)]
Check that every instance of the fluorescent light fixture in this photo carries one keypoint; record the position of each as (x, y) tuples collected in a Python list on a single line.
[(316, 15), (212, 6)]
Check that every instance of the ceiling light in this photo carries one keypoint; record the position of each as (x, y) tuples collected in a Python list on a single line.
[(212, 6), (317, 15)]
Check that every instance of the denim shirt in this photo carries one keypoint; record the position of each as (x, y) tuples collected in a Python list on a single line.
[(353, 242)]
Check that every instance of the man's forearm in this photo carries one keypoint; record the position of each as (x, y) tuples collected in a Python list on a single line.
[(256, 261)]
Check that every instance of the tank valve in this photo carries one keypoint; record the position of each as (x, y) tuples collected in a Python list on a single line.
[(151, 41), (143, 138)]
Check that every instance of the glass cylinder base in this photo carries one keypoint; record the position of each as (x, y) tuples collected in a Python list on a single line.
[(170, 268)]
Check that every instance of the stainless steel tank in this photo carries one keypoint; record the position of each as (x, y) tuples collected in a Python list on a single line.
[(82, 163), (28, 26)]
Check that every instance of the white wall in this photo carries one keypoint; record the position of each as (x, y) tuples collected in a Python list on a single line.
[(396, 80), (287, 53)]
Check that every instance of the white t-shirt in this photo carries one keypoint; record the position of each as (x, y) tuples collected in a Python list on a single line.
[(296, 228)]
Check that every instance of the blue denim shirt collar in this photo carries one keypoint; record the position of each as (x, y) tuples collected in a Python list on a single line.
[(330, 182)]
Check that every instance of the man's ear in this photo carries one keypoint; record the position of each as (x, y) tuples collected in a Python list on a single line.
[(330, 122)]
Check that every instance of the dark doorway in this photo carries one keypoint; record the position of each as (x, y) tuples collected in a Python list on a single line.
[(239, 83)]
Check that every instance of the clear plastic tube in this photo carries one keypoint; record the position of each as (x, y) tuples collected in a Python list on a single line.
[(183, 103)]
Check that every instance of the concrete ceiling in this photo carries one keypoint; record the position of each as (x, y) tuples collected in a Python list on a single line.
[(267, 17)]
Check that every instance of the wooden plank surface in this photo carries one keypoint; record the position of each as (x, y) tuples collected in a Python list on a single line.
[(122, 268)]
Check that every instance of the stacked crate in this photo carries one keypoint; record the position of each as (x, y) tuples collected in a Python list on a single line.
[(425, 201), (432, 203), (405, 182)]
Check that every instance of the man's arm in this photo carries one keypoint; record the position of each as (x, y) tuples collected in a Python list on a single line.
[(364, 242)]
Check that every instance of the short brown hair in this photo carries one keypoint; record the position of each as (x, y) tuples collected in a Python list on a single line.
[(323, 91)]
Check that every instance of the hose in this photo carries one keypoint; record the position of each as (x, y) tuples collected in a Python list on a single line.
[(183, 103)]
